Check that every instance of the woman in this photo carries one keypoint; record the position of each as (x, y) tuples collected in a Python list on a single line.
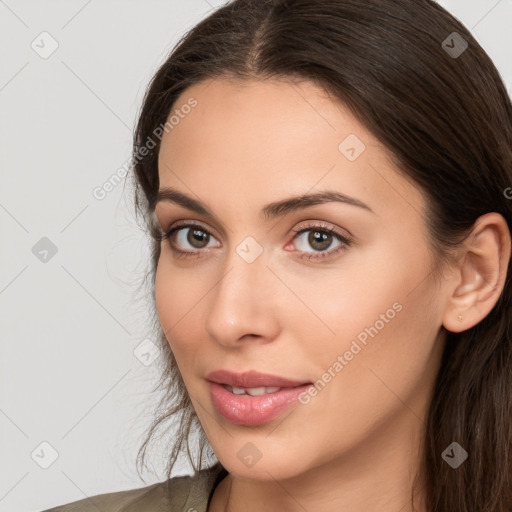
[(327, 185)]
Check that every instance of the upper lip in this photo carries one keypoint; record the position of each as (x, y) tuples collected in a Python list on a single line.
[(252, 379)]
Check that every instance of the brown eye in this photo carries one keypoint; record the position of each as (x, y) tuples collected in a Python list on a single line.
[(197, 237), (189, 239), (320, 239)]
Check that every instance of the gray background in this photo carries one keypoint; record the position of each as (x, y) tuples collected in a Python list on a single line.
[(70, 324)]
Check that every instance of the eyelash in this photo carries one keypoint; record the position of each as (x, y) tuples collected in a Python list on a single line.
[(322, 227)]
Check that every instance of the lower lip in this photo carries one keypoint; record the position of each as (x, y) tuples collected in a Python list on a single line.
[(253, 410)]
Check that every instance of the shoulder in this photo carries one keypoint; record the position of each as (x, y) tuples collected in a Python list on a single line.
[(174, 494)]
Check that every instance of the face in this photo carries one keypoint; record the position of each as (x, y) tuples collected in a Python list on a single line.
[(336, 292)]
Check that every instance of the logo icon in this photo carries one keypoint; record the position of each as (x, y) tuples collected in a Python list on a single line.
[(249, 454), (454, 455), (146, 352), (454, 45), (44, 250), (249, 249), (44, 455), (44, 45), (351, 147)]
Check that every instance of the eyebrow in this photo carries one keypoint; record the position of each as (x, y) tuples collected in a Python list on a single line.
[(271, 210)]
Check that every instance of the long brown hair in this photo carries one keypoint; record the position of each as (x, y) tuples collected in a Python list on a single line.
[(447, 120)]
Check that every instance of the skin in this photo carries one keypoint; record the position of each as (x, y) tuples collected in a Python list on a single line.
[(354, 446)]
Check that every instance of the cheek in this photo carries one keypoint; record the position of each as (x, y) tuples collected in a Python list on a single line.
[(377, 313), (165, 295), (175, 296), (174, 299)]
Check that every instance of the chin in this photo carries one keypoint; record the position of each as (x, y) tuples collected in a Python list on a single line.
[(269, 466)]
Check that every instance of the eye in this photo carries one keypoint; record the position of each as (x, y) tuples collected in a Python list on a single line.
[(187, 239), (320, 237)]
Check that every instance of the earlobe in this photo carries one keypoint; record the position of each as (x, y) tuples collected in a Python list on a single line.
[(481, 273)]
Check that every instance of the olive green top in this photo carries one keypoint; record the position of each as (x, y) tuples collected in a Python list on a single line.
[(189, 493)]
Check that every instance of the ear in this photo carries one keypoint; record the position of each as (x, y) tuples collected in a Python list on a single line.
[(480, 276)]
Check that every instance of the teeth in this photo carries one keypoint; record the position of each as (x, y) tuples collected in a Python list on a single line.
[(252, 391)]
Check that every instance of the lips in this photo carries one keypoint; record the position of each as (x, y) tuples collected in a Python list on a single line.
[(252, 398), (252, 379)]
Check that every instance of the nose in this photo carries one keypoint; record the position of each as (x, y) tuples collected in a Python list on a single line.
[(244, 304)]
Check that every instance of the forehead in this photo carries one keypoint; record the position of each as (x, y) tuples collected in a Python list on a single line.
[(270, 138), (273, 114)]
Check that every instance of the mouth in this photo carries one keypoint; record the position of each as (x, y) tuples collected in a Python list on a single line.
[(252, 406), (252, 391), (252, 380)]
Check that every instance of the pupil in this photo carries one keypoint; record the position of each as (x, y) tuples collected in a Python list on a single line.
[(317, 237), (197, 237)]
